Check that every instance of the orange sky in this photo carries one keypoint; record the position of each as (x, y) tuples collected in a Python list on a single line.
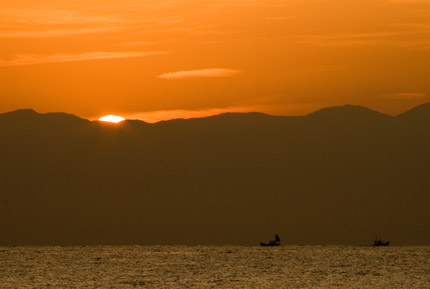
[(161, 59)]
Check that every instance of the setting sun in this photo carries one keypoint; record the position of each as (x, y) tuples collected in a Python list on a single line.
[(112, 118)]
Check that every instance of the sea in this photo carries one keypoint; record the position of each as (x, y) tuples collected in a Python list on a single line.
[(215, 267)]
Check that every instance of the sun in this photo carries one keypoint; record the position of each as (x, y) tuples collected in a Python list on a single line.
[(112, 118)]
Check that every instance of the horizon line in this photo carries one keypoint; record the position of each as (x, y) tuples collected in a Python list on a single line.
[(221, 111)]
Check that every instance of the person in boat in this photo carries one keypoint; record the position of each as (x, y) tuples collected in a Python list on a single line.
[(271, 243), (380, 242)]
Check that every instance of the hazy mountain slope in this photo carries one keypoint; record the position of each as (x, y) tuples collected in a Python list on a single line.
[(348, 113), (419, 113), (340, 175)]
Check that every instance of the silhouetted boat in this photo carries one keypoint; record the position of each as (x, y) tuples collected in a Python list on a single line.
[(380, 242), (272, 243)]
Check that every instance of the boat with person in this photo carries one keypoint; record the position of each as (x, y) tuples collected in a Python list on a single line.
[(380, 243), (272, 243)]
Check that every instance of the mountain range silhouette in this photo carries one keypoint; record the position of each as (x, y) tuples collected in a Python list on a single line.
[(340, 175)]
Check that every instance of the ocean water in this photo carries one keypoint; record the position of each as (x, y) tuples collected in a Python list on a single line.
[(215, 267)]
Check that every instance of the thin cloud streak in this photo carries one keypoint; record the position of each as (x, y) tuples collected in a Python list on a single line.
[(239, 3), (139, 43), (32, 59), (143, 43), (40, 23), (56, 32), (54, 16), (200, 73)]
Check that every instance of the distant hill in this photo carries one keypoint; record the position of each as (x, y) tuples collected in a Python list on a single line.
[(417, 114), (347, 113), (340, 175)]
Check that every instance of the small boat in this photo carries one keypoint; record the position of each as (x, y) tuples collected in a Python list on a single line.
[(272, 243), (380, 243)]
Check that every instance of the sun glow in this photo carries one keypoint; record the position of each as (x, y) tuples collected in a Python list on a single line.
[(112, 118)]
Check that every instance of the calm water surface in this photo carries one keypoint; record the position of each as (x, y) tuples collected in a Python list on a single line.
[(214, 267)]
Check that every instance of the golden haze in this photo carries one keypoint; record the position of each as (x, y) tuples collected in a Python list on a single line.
[(156, 60)]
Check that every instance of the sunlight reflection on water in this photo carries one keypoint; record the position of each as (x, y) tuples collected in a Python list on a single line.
[(214, 266)]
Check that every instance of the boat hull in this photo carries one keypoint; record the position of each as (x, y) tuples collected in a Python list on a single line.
[(269, 245), (382, 244)]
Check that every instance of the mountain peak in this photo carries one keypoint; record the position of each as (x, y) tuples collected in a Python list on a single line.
[(348, 112), (30, 120), (20, 112)]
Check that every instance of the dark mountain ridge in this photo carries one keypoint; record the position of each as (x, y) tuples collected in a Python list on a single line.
[(342, 113), (337, 176)]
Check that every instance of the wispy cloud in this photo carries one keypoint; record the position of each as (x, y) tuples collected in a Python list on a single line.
[(31, 59), (148, 18), (237, 3), (42, 33), (406, 95), (143, 43), (138, 43), (39, 23), (200, 73), (53, 16)]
